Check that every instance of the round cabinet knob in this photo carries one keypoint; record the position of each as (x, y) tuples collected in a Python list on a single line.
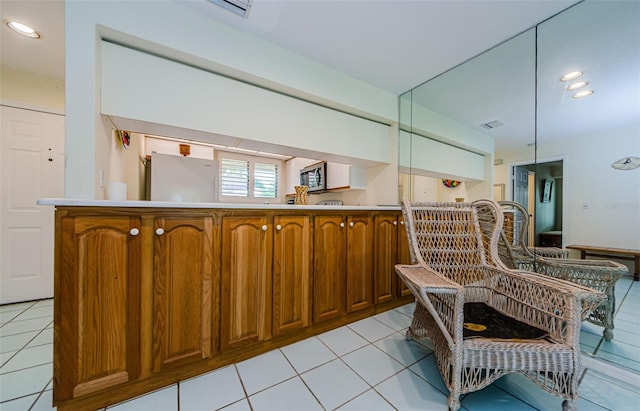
[(351, 224), (159, 231), (395, 223), (134, 231), (402, 222), (278, 227), (264, 227), (341, 225)]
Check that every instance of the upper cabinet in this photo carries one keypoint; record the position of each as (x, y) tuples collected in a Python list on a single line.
[(344, 176)]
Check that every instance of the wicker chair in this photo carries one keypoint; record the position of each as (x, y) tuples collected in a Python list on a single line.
[(453, 269), (600, 275), (515, 231)]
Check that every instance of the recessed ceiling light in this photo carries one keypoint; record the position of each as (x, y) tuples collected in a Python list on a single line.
[(577, 85), (23, 29), (571, 76), (582, 94)]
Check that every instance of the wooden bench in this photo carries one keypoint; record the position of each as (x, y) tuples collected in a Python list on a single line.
[(609, 252)]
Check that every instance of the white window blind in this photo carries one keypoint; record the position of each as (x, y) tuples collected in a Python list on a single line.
[(234, 177), (265, 183), (248, 178)]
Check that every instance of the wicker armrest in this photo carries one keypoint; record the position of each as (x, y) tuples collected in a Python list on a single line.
[(427, 279), (587, 297), (441, 297), (561, 284), (591, 263), (550, 252), (600, 275)]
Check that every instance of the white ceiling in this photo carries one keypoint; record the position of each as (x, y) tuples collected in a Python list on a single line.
[(395, 45), (45, 56)]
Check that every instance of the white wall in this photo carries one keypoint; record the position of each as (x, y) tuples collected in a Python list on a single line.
[(21, 87), (196, 99), (164, 146), (206, 44), (601, 204)]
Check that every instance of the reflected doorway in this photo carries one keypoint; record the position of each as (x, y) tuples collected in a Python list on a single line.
[(539, 188)]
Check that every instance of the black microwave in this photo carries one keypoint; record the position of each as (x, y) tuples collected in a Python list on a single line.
[(314, 177)]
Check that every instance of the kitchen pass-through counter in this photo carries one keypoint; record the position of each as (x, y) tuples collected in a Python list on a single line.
[(72, 202), (150, 293)]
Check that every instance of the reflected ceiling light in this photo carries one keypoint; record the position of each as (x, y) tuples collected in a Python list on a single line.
[(571, 76), (584, 93), (577, 85), (23, 29)]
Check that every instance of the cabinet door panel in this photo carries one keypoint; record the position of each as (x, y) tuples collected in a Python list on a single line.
[(291, 273), (182, 290), (329, 267), (246, 281), (359, 263), (101, 261), (385, 257)]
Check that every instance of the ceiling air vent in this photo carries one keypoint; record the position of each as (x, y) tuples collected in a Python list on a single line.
[(239, 7), (493, 124)]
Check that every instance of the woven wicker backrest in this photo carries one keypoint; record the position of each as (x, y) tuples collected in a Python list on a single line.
[(448, 237), (506, 250), (513, 245)]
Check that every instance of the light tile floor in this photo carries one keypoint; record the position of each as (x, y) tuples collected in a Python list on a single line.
[(367, 365)]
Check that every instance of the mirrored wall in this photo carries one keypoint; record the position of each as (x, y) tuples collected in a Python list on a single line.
[(543, 138), (553, 151)]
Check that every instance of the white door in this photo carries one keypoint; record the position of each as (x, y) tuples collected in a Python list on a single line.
[(31, 167)]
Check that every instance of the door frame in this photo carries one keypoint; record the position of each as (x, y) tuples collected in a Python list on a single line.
[(565, 188)]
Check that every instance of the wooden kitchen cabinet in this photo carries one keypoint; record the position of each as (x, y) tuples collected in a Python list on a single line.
[(146, 297), (391, 247), (291, 273), (97, 323), (359, 258), (385, 251), (184, 306), (329, 262), (343, 265), (246, 280)]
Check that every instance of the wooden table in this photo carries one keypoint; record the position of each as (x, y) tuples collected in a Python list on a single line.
[(610, 252)]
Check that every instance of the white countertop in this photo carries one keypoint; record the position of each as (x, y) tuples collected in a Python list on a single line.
[(78, 202)]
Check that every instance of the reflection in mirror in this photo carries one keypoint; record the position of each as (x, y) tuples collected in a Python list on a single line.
[(448, 122), (404, 147), (594, 204), (553, 152)]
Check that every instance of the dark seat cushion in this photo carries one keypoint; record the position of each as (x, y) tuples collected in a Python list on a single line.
[(482, 321)]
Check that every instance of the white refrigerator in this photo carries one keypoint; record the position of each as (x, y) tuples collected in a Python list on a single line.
[(183, 179)]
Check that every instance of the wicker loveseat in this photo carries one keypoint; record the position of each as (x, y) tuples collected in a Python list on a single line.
[(453, 274), (600, 275)]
